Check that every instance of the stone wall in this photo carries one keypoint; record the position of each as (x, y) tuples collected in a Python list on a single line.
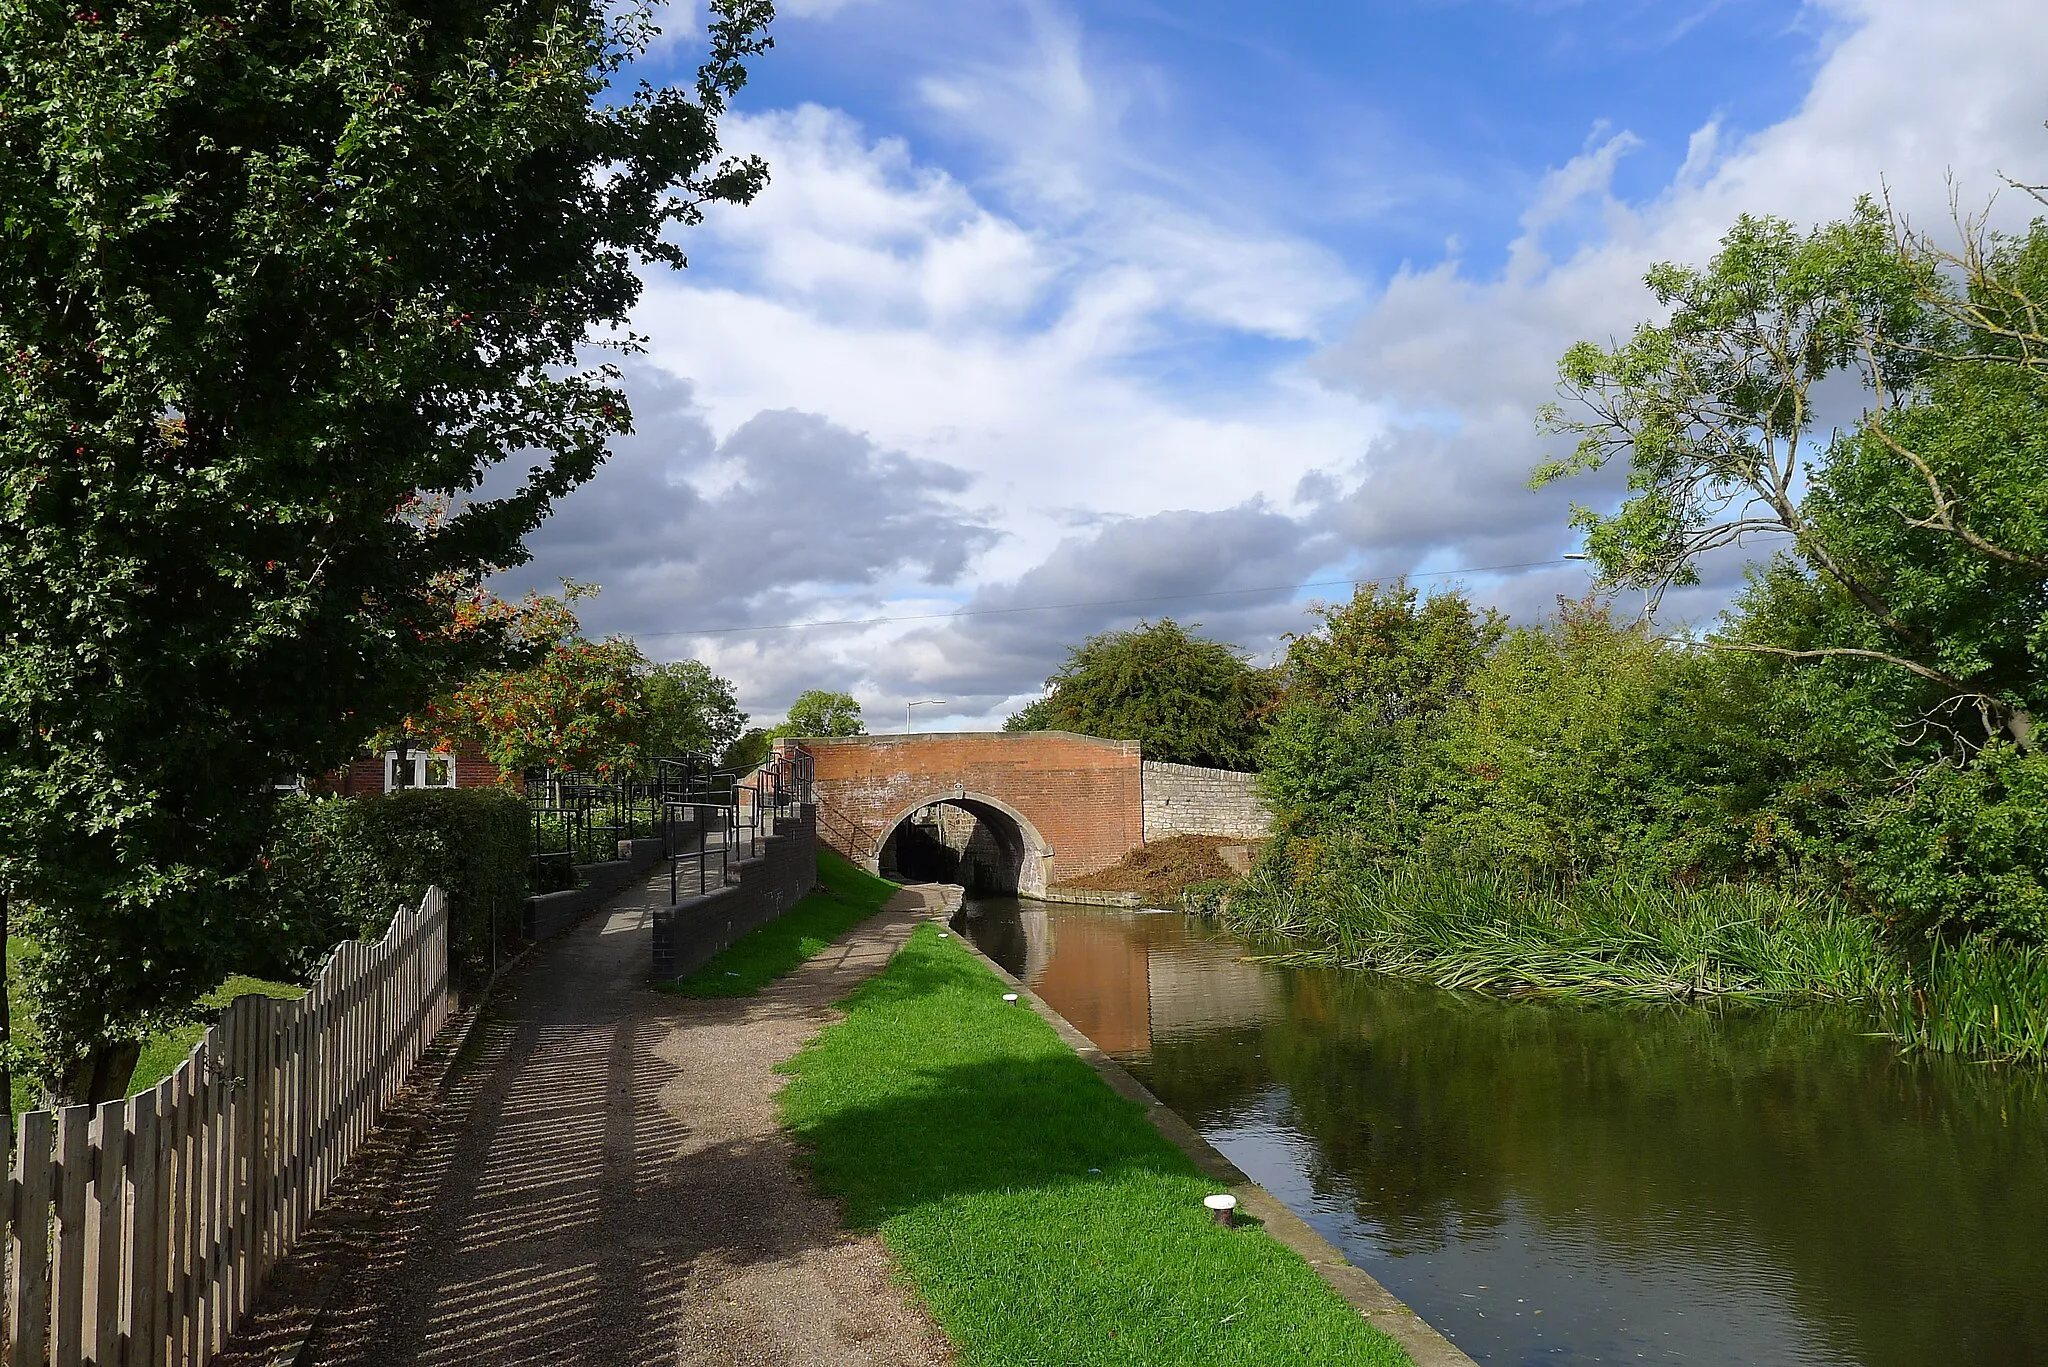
[(1184, 799), (688, 935)]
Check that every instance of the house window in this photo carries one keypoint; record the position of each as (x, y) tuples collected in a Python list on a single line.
[(420, 770)]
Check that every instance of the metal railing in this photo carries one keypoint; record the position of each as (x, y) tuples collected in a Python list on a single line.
[(711, 831), (580, 817)]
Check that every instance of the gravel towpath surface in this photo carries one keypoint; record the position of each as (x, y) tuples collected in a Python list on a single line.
[(602, 1182)]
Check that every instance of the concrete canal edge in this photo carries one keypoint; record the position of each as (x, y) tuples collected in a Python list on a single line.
[(1423, 1344)]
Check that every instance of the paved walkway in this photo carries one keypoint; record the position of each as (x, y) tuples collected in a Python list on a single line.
[(603, 1183)]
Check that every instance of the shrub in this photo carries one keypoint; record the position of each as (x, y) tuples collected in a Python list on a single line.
[(340, 867), (1963, 851)]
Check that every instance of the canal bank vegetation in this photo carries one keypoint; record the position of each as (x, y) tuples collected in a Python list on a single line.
[(1040, 1216), (1495, 931), (1837, 790), (1163, 871)]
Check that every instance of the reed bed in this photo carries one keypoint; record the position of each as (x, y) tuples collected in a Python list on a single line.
[(1981, 999), (1491, 931)]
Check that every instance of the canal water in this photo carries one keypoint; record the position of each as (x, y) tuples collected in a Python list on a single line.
[(1557, 1185)]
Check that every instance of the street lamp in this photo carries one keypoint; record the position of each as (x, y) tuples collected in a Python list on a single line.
[(921, 702)]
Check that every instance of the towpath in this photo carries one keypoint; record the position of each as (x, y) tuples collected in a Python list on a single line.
[(602, 1182)]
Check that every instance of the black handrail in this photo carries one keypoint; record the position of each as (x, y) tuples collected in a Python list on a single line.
[(741, 810), (580, 817)]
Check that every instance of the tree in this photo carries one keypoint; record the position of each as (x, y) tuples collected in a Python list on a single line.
[(818, 712), (1926, 515), (687, 710), (1188, 699), (580, 707), (1036, 715), (1363, 695), (271, 273), (1551, 757), (748, 751)]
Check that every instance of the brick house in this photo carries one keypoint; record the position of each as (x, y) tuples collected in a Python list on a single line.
[(463, 767)]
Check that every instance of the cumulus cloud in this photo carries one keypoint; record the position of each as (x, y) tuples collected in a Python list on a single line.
[(684, 531), (889, 389), (1909, 94), (1232, 569)]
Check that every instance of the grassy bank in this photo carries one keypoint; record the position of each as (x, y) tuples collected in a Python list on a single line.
[(1040, 1216), (845, 897), (1492, 932), (161, 1052)]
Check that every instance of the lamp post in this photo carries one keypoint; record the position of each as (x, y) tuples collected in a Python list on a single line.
[(921, 702)]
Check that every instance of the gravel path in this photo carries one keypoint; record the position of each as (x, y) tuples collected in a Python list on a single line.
[(604, 1183)]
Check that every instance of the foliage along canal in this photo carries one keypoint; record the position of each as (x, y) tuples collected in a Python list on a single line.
[(1550, 1184)]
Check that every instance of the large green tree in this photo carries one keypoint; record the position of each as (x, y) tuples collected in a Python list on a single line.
[(1921, 519), (1364, 694), (821, 712), (1187, 698), (689, 710), (269, 274)]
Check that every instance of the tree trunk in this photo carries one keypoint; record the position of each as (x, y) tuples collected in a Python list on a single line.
[(6, 1021), (102, 1075), (2019, 724)]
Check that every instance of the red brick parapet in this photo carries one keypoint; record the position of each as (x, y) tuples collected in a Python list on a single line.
[(1077, 801)]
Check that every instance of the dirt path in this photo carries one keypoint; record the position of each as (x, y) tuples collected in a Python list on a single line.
[(604, 1184)]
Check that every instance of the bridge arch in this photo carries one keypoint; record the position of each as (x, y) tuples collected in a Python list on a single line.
[(1000, 851), (1076, 803)]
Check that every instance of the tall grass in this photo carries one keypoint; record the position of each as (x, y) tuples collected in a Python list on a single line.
[(1495, 932), (1980, 999)]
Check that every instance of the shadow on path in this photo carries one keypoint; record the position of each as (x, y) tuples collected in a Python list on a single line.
[(604, 1183)]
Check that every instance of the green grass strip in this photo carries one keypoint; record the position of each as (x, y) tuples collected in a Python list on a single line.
[(846, 896), (1041, 1216)]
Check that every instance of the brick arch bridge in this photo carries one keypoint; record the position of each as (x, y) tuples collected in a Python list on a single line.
[(1009, 810), (1013, 811)]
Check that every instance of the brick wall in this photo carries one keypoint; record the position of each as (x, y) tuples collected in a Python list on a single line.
[(364, 777), (688, 935), (1083, 797), (1183, 799)]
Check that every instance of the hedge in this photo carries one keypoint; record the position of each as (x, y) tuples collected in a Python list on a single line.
[(339, 867)]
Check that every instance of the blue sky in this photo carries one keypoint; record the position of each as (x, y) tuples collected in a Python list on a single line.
[(1055, 303), (1382, 129)]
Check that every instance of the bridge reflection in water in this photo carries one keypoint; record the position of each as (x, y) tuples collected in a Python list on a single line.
[(1123, 978), (1554, 1184)]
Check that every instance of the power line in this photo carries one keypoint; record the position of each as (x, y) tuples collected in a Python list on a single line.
[(1093, 603)]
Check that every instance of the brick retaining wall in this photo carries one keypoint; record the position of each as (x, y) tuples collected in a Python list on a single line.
[(688, 935), (1185, 799), (551, 913)]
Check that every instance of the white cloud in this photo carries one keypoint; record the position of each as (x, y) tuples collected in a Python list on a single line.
[(1909, 94), (886, 295), (1124, 372)]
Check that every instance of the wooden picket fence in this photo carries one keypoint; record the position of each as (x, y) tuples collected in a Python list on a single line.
[(139, 1232)]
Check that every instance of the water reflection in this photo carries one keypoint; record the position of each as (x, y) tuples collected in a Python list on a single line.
[(1554, 1185)]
